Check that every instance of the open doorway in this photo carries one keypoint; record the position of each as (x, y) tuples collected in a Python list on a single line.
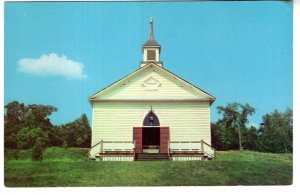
[(151, 139)]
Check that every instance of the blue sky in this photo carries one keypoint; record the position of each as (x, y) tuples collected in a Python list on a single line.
[(236, 51)]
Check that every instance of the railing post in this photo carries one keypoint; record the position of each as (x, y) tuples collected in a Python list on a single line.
[(202, 150), (101, 146), (134, 150), (169, 149), (101, 149), (90, 150), (214, 153)]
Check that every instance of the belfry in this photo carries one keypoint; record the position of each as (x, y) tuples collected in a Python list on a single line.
[(151, 49)]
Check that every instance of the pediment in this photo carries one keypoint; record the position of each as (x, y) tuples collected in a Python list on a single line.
[(151, 83)]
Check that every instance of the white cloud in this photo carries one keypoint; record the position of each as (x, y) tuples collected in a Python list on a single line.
[(52, 64)]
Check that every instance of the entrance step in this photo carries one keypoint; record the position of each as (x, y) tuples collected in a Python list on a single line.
[(151, 151), (151, 156)]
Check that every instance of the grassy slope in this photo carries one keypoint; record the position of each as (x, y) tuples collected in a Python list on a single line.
[(73, 169)]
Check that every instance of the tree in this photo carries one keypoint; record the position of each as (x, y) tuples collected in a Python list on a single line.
[(19, 116), (215, 135), (37, 151), (276, 132), (235, 118), (77, 133), (25, 124), (224, 137), (250, 138), (14, 117), (29, 137)]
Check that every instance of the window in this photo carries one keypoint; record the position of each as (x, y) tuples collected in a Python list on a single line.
[(151, 55)]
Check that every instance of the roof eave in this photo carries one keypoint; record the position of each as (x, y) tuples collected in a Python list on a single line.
[(211, 98), (151, 45), (127, 76)]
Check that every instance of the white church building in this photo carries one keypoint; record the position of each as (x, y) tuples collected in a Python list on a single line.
[(151, 114)]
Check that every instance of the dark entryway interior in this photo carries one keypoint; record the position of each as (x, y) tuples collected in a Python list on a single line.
[(151, 137)]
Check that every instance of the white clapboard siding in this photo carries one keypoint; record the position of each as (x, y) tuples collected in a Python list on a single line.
[(114, 121), (152, 83)]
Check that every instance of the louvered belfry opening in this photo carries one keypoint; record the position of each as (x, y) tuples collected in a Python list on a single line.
[(151, 55)]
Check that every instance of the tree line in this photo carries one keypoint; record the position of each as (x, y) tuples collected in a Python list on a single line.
[(29, 127), (232, 132)]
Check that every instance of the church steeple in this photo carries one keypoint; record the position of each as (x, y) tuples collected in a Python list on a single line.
[(151, 37), (151, 49), (151, 41)]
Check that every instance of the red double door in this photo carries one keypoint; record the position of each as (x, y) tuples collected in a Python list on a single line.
[(164, 139)]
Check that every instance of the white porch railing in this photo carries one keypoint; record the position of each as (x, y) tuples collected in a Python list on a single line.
[(208, 150), (192, 146), (117, 146), (111, 146), (182, 146), (95, 150), (200, 147)]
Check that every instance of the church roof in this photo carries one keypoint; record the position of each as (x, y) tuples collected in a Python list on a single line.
[(210, 98), (151, 43)]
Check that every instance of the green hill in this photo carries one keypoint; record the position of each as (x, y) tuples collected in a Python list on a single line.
[(70, 167)]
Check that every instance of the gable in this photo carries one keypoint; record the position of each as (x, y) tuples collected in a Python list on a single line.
[(152, 83)]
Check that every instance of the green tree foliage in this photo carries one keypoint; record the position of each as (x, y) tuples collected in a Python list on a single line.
[(29, 126), (38, 149), (223, 136), (37, 153), (250, 138), (233, 124), (27, 138), (18, 116), (274, 135), (76, 133), (34, 138), (276, 132)]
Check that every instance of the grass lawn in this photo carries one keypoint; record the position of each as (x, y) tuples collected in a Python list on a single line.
[(70, 167)]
